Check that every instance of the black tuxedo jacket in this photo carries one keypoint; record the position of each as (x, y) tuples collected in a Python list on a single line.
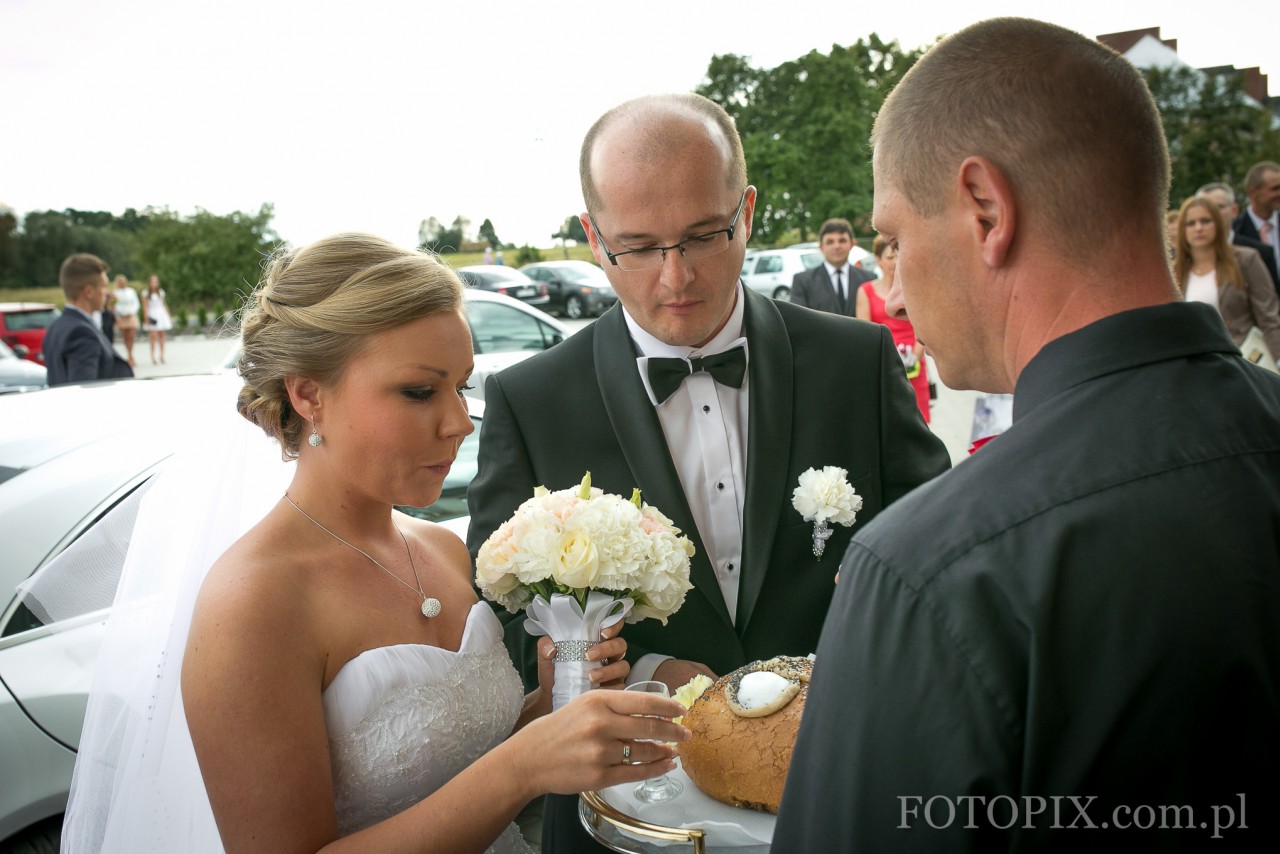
[(75, 350), (813, 289), (1246, 234), (824, 391)]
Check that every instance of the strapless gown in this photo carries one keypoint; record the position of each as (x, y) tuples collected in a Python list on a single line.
[(404, 720)]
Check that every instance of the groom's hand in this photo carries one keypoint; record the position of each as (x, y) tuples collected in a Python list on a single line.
[(676, 672)]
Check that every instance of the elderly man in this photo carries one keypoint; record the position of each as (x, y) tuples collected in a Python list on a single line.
[(1086, 643), (712, 399), (1261, 218), (75, 348)]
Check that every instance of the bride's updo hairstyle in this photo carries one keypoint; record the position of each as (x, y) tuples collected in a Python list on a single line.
[(315, 309)]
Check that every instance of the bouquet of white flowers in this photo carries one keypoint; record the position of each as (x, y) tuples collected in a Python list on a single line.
[(579, 560)]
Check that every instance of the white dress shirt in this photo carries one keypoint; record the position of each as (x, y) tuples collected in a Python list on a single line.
[(705, 425)]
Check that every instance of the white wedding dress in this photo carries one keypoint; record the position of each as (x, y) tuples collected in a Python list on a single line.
[(404, 720)]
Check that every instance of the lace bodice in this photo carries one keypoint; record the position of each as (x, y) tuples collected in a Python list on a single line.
[(403, 720)]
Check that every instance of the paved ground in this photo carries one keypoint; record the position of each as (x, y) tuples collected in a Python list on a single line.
[(185, 354)]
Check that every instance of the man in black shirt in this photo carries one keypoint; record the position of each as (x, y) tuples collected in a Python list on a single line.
[(1076, 633)]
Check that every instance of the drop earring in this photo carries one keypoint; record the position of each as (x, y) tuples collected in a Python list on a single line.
[(315, 439)]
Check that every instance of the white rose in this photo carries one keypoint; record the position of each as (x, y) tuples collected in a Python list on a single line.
[(576, 562)]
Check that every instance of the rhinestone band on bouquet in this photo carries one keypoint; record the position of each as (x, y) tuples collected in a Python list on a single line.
[(579, 560)]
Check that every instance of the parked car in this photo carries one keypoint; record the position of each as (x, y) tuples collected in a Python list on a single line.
[(505, 280), (770, 271), (58, 479), (503, 331), (577, 288), (22, 326), (858, 256), (19, 374)]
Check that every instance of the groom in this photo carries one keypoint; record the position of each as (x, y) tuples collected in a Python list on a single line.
[(669, 213)]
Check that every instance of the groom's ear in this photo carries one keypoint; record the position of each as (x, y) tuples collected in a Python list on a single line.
[(304, 396)]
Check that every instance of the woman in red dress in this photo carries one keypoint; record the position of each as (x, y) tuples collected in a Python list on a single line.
[(870, 306)]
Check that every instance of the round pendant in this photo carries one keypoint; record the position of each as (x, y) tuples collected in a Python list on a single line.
[(431, 607)]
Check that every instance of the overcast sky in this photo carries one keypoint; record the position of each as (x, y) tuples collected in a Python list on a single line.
[(376, 115)]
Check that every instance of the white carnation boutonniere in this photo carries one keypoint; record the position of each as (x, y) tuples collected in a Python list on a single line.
[(824, 497)]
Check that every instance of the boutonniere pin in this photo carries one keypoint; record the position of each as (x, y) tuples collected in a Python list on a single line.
[(826, 497)]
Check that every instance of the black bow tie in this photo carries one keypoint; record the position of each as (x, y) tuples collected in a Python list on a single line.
[(727, 368)]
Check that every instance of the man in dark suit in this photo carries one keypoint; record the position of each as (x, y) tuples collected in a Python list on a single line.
[(1225, 198), (1031, 631), (1260, 219), (833, 285), (75, 349), (668, 217)]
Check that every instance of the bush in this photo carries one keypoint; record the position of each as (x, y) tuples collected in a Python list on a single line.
[(527, 255)]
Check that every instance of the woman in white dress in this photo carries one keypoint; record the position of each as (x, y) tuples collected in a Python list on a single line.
[(126, 309), (155, 317), (327, 711)]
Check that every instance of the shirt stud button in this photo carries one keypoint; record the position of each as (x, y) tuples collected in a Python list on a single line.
[(706, 408), (719, 486)]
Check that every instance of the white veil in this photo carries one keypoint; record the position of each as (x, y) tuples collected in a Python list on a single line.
[(136, 785)]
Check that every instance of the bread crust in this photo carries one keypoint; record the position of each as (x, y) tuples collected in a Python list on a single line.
[(743, 761)]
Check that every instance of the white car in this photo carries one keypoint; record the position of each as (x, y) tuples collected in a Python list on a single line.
[(59, 475), (19, 374), (503, 331), (770, 271)]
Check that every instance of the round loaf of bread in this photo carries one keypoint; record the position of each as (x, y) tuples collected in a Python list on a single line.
[(739, 754)]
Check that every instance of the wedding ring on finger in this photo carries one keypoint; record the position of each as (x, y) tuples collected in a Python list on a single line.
[(626, 753)]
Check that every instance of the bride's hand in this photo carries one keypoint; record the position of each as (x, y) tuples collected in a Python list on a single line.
[(600, 739), (611, 649)]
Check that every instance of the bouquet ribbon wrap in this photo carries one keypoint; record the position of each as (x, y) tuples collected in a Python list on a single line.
[(574, 630)]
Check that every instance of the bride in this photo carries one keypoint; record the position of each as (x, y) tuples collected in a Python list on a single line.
[(343, 687)]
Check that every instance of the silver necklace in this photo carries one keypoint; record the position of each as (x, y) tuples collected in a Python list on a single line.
[(430, 604)]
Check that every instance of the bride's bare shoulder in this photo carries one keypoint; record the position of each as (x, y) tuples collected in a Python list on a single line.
[(441, 543), (261, 576)]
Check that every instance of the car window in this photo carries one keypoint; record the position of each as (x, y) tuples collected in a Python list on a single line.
[(811, 259), (453, 497), (769, 264), (538, 273), (497, 328), (20, 321)]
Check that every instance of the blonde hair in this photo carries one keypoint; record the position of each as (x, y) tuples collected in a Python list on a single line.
[(1224, 260), (314, 311), (1053, 110), (646, 115)]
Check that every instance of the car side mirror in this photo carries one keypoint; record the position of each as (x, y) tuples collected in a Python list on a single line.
[(22, 351), (556, 338)]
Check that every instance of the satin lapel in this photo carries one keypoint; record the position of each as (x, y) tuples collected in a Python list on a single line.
[(768, 444), (644, 446)]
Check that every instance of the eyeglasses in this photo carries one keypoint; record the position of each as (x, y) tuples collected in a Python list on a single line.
[(653, 257)]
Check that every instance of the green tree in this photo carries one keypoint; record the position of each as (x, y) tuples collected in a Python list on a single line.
[(1214, 131), (571, 229), (9, 248), (47, 237), (207, 258), (488, 235), (805, 126), (436, 238)]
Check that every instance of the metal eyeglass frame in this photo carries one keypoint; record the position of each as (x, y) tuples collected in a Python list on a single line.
[(614, 256)]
